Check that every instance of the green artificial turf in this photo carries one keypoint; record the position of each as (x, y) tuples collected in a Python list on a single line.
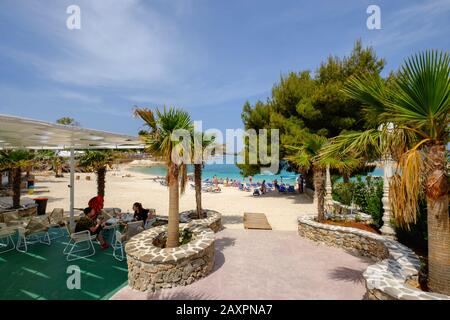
[(41, 273)]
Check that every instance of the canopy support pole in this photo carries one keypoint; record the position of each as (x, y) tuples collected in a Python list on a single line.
[(72, 187)]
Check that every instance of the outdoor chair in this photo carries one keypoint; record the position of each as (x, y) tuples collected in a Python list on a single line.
[(119, 240), (133, 228), (118, 246), (56, 221), (77, 239), (6, 240), (291, 189), (36, 231), (11, 218)]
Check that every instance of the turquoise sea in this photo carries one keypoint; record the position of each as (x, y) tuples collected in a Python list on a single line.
[(231, 171), (225, 170)]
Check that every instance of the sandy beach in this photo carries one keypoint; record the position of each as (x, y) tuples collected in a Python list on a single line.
[(124, 187)]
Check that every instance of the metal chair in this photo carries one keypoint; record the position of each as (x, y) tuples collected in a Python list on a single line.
[(56, 221), (134, 228), (6, 240), (32, 234), (77, 238), (118, 246)]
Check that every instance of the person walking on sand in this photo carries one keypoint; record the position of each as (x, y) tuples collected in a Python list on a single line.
[(300, 183)]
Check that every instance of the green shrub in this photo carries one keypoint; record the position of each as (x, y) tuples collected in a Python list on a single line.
[(343, 192), (367, 195)]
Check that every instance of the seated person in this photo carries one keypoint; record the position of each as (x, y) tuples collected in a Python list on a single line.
[(96, 204), (140, 214), (276, 185), (89, 222), (263, 187)]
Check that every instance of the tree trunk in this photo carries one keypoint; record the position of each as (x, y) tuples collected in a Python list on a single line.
[(101, 177), (438, 221), (198, 189), (16, 184), (319, 185), (174, 212)]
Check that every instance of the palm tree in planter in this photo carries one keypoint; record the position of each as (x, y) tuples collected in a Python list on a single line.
[(16, 161), (201, 143), (160, 142), (417, 107), (306, 157), (98, 161)]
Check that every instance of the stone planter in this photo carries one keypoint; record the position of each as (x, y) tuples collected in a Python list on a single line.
[(212, 221), (153, 268), (395, 266)]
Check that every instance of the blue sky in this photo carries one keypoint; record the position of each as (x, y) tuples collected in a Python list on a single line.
[(207, 56)]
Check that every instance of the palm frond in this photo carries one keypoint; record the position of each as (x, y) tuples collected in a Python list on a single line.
[(406, 187), (365, 145), (146, 115), (370, 90), (420, 98)]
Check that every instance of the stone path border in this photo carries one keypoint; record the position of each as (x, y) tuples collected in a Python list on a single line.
[(396, 263)]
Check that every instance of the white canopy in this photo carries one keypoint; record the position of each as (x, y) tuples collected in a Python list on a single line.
[(18, 132)]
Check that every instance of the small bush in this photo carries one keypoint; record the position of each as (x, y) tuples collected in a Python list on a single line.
[(367, 195)]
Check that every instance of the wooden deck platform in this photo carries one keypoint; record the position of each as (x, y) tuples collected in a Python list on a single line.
[(256, 221)]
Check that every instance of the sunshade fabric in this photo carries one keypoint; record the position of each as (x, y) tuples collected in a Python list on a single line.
[(18, 132)]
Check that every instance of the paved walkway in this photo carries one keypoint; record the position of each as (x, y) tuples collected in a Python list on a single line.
[(274, 265)]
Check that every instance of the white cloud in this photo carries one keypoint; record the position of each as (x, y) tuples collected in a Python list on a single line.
[(129, 48), (120, 43), (412, 24)]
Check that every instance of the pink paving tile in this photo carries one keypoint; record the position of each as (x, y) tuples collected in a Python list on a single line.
[(275, 265)]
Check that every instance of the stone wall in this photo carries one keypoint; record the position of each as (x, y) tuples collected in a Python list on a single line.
[(213, 219), (152, 268), (395, 267)]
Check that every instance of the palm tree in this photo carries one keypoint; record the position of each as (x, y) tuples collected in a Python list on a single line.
[(416, 104), (98, 161), (200, 144), (306, 157), (15, 161), (160, 143)]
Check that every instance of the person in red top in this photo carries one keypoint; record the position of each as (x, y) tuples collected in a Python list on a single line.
[(97, 204)]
